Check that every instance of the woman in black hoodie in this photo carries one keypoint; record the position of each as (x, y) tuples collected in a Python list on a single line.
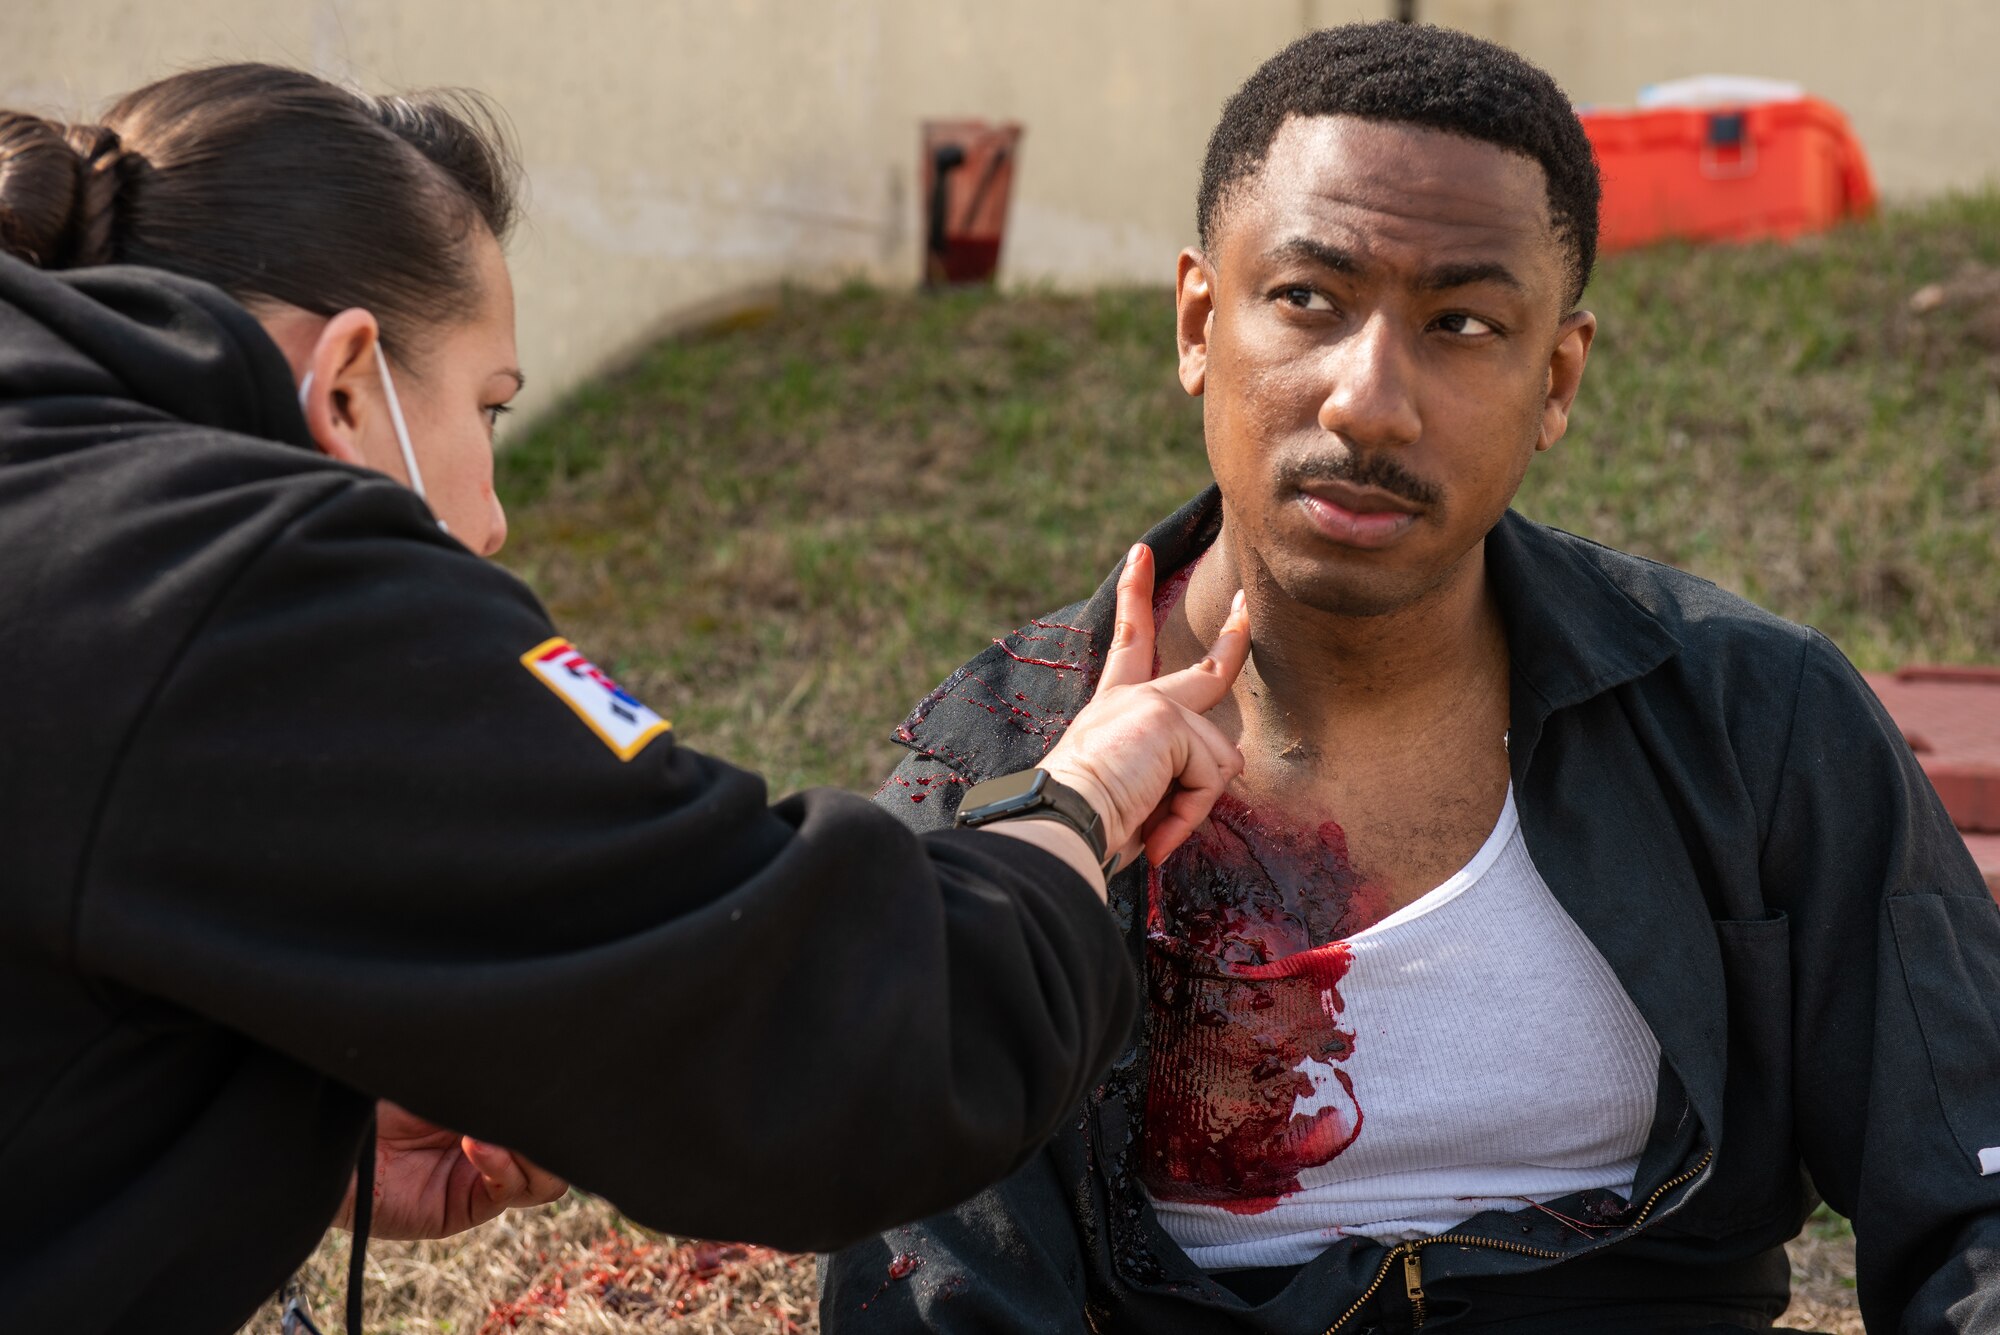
[(307, 807)]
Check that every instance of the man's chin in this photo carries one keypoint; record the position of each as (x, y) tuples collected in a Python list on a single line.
[(1349, 592)]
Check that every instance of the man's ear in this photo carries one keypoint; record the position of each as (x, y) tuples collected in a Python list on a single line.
[(342, 366), (1573, 339), (1194, 310)]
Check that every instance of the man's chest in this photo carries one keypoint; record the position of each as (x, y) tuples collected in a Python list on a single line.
[(1373, 828)]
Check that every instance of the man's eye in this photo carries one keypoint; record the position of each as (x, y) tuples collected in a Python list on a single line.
[(1304, 298), (1469, 325), (494, 412)]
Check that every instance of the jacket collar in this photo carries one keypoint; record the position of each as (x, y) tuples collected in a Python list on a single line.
[(1571, 632)]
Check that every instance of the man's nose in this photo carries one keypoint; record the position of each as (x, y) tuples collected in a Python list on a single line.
[(1371, 396)]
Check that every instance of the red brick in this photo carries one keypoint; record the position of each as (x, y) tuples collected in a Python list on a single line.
[(1986, 852), (1971, 793), (1951, 718)]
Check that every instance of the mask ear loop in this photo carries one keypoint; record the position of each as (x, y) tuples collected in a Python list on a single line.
[(396, 418)]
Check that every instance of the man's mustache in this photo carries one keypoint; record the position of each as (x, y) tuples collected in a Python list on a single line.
[(1374, 470)]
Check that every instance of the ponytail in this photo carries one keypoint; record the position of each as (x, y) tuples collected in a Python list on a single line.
[(59, 189), (275, 186)]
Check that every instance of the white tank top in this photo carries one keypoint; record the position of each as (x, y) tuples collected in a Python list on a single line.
[(1471, 1051)]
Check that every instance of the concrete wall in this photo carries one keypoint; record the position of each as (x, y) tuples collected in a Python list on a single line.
[(683, 153)]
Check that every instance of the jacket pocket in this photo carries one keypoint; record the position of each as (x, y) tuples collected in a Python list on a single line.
[(1949, 947), (1757, 1176)]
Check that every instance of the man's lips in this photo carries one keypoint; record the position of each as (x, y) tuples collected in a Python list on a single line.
[(1357, 516)]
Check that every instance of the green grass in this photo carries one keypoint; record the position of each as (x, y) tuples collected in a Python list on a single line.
[(1775, 419), (783, 533)]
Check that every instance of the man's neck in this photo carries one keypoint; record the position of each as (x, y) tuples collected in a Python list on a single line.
[(1313, 670)]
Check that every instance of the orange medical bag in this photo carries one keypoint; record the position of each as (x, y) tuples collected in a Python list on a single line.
[(1776, 169)]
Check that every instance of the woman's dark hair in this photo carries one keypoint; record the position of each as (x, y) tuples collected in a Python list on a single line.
[(270, 183)]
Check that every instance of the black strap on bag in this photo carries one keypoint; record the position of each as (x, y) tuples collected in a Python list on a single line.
[(297, 1320)]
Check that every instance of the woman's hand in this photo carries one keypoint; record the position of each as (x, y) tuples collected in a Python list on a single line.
[(431, 1183), (1141, 751)]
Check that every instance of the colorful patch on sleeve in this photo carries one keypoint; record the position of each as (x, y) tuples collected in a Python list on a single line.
[(620, 720)]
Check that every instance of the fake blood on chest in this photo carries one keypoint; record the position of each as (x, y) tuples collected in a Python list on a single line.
[(1246, 952)]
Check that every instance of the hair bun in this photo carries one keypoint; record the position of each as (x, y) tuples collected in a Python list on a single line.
[(59, 190), (101, 181)]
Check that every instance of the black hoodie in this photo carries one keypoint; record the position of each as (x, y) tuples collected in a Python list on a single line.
[(296, 819)]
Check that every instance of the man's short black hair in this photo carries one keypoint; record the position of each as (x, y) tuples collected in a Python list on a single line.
[(1435, 78)]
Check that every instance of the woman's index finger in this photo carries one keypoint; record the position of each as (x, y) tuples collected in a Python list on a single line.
[(1202, 686), (1130, 659)]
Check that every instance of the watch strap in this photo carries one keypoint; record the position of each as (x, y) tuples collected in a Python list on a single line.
[(1046, 799)]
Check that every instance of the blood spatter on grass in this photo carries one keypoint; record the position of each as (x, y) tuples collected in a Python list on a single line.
[(550, 1297), (1245, 955), (636, 1278)]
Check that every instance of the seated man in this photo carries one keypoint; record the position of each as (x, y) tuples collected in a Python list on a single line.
[(1575, 925)]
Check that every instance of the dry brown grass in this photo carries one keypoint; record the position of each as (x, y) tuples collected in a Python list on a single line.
[(576, 1266), (1823, 1279)]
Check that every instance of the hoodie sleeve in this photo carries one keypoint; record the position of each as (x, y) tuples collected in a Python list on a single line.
[(1896, 1008), (370, 823)]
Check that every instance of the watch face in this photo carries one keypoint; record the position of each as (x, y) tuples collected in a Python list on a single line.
[(1006, 792)]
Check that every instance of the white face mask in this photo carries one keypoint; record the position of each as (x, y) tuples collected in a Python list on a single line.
[(410, 468)]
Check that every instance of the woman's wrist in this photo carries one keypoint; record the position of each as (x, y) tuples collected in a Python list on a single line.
[(1058, 839)]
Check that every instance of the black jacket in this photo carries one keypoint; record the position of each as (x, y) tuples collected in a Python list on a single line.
[(289, 824), (1724, 808)]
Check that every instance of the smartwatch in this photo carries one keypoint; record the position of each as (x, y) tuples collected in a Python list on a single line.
[(1032, 795)]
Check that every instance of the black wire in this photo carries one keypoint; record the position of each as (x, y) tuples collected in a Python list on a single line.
[(364, 1208)]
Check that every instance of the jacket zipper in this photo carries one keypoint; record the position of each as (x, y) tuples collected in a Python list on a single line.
[(1410, 1254)]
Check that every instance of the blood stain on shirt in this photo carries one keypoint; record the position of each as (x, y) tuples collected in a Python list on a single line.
[(1245, 956)]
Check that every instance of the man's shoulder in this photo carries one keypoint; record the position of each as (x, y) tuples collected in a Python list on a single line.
[(1714, 627), (1004, 708)]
